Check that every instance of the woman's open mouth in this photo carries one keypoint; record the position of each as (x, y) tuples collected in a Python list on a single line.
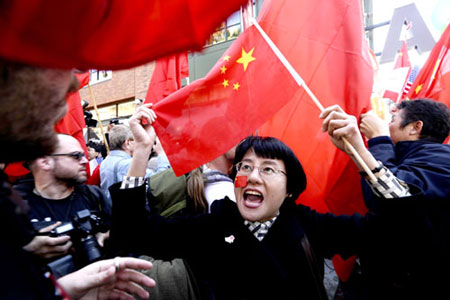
[(253, 199)]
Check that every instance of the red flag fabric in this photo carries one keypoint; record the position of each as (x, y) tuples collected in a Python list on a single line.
[(208, 117), (167, 76), (433, 80), (324, 41), (399, 77), (403, 57), (16, 171), (83, 78), (106, 34), (73, 122)]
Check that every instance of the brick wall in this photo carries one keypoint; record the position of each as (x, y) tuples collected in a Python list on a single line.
[(124, 85)]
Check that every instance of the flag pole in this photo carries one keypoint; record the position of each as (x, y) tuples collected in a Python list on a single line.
[(98, 118), (316, 101)]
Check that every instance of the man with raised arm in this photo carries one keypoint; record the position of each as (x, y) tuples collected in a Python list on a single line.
[(405, 156)]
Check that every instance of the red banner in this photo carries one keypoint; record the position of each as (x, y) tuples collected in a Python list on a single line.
[(167, 76), (106, 34), (73, 122)]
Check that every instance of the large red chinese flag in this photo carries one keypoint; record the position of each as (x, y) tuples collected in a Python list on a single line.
[(324, 41), (206, 118), (73, 122), (166, 77), (106, 34), (433, 80)]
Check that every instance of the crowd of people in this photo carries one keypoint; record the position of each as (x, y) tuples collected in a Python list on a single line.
[(235, 217), (230, 229)]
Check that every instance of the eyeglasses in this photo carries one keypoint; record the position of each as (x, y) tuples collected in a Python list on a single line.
[(76, 155), (265, 171)]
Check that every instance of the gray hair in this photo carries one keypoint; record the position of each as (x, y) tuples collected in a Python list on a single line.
[(118, 135)]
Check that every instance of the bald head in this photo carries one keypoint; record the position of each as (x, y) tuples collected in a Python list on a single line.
[(66, 144)]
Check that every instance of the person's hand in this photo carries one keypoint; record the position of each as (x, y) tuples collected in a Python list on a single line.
[(141, 126), (102, 237), (338, 124), (109, 279), (48, 247), (372, 126)]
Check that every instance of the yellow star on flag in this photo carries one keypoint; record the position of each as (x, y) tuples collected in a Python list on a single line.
[(236, 86), (223, 69), (246, 58), (225, 83), (226, 58), (418, 88)]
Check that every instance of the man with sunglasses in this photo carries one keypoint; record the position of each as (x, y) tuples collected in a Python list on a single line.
[(32, 101), (57, 194)]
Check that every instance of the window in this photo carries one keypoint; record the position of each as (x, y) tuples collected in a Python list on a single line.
[(121, 110), (126, 109), (228, 30), (106, 113), (99, 76)]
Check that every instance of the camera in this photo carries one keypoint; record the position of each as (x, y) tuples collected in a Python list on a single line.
[(114, 121), (88, 118), (82, 230)]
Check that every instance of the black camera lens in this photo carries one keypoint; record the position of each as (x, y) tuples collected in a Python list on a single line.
[(91, 249)]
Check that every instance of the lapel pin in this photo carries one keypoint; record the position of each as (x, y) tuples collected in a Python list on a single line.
[(229, 239)]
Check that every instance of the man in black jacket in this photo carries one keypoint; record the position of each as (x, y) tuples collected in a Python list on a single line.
[(411, 145), (411, 148)]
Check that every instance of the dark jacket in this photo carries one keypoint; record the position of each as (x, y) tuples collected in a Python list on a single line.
[(22, 275), (426, 249), (219, 246), (420, 163)]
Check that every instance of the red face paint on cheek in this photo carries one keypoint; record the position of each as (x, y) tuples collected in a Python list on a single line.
[(240, 181)]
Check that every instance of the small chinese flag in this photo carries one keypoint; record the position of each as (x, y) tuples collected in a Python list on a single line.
[(240, 181)]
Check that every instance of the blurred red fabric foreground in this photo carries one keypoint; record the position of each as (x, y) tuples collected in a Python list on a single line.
[(106, 34)]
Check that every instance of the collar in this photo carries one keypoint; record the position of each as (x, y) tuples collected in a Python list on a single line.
[(260, 229), (215, 176), (119, 153)]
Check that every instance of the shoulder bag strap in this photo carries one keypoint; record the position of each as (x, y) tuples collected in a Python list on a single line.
[(314, 268)]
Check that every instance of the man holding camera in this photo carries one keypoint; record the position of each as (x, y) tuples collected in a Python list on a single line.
[(32, 100), (57, 195)]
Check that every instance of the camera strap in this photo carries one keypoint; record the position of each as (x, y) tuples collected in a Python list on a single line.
[(49, 207)]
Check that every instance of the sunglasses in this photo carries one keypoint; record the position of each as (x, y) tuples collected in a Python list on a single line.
[(76, 155)]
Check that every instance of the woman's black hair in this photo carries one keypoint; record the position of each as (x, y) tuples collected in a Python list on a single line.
[(273, 148)]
